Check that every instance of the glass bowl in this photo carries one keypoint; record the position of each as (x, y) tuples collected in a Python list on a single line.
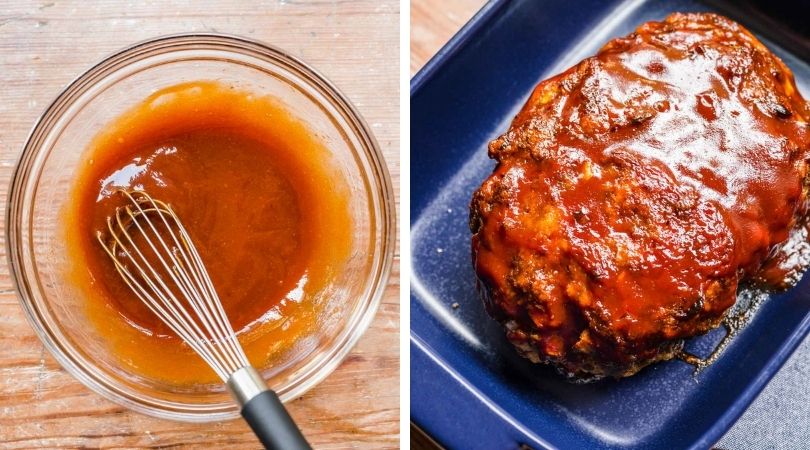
[(41, 181)]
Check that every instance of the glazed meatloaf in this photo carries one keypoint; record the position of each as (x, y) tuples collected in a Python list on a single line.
[(634, 192)]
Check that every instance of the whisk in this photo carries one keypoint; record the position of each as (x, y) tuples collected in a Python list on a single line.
[(154, 255)]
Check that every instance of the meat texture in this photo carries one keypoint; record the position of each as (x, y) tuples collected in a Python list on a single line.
[(636, 190)]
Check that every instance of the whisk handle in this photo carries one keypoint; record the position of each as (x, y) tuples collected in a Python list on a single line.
[(264, 412), (272, 424)]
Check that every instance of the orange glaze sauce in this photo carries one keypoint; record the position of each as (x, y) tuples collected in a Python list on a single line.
[(255, 191)]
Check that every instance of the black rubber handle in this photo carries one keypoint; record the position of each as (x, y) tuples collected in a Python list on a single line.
[(272, 424)]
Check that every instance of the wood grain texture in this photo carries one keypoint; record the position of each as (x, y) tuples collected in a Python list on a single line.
[(43, 46), (431, 27), (434, 23)]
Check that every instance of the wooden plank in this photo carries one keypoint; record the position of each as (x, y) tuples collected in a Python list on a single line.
[(44, 45), (434, 23)]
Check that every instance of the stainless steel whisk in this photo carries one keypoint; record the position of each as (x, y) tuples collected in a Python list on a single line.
[(154, 255)]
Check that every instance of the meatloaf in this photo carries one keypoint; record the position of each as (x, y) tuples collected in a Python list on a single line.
[(635, 191)]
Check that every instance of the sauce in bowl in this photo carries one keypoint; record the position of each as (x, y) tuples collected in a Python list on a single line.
[(255, 190)]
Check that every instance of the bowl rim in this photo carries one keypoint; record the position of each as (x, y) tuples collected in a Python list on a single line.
[(381, 206)]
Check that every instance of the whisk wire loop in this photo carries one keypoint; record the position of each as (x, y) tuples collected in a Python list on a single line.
[(192, 310), (153, 304), (194, 292)]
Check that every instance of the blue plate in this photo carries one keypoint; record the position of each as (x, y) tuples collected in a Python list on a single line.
[(469, 389)]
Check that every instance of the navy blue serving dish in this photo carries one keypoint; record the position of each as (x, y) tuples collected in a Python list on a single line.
[(469, 389)]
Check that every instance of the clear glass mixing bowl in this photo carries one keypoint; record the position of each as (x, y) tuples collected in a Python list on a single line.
[(41, 181)]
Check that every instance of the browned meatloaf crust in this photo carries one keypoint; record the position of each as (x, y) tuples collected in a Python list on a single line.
[(636, 190)]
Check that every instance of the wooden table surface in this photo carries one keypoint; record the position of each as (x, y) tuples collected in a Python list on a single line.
[(43, 46), (431, 28)]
